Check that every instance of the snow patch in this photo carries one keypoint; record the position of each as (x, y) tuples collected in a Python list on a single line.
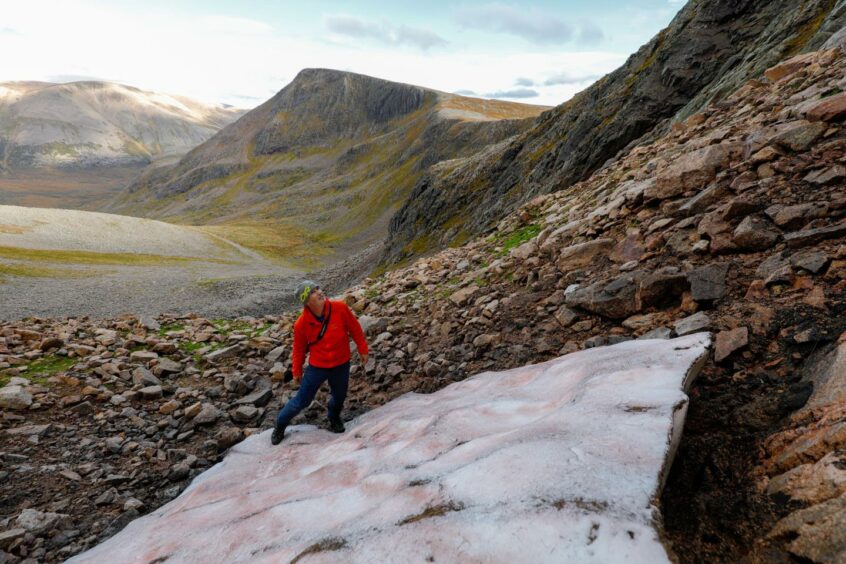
[(556, 462)]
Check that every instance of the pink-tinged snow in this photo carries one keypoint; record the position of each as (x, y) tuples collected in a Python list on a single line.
[(556, 462)]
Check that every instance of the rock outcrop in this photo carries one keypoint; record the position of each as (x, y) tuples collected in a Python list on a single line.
[(709, 49)]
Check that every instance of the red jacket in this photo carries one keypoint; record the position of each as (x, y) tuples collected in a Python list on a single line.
[(334, 348)]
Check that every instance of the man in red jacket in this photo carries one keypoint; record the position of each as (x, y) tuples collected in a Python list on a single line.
[(323, 331)]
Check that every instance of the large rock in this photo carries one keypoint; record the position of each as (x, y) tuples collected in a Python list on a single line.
[(799, 135), (582, 254), (14, 398), (832, 108), (443, 484), (38, 522), (755, 234), (708, 283), (816, 534), (730, 341), (616, 299), (690, 171), (661, 286), (813, 236)]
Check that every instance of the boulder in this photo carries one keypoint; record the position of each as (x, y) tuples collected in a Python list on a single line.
[(38, 522), (616, 299), (799, 135), (690, 171), (813, 236), (708, 283), (14, 398), (817, 533), (582, 254), (755, 234), (728, 342), (832, 108), (661, 286), (692, 324)]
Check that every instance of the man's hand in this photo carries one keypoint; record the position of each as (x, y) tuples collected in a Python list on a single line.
[(363, 360)]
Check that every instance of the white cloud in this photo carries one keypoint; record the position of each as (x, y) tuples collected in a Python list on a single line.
[(514, 94), (244, 62), (359, 28)]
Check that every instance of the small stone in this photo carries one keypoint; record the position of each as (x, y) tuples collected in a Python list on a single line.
[(657, 333), (692, 324), (244, 413), (132, 503), (167, 366), (51, 343), (144, 377), (10, 536), (192, 410), (150, 392), (169, 407), (29, 430), (728, 342), (38, 522), (142, 356), (259, 398), (639, 322), (207, 415), (223, 353), (755, 234), (708, 283)]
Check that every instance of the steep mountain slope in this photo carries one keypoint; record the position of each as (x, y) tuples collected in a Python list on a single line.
[(733, 221), (83, 124), (709, 49), (333, 154)]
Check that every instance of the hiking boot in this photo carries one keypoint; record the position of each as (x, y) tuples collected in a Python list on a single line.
[(336, 425), (278, 435)]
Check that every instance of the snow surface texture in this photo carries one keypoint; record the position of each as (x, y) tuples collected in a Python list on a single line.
[(556, 462)]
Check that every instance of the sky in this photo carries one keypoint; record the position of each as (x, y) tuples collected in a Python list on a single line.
[(242, 52)]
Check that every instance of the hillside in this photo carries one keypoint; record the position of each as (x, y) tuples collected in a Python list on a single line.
[(333, 154), (74, 145), (733, 221), (707, 51), (85, 124)]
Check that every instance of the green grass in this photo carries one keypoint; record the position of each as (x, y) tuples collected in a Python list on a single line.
[(168, 327), (25, 270), (41, 369), (517, 238), (90, 257)]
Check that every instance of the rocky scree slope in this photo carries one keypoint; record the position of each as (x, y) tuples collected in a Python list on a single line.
[(332, 149), (707, 51), (96, 124), (733, 222)]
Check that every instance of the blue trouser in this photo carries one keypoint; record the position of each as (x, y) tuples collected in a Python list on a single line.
[(339, 379)]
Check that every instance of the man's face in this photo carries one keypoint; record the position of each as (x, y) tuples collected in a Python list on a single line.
[(316, 299)]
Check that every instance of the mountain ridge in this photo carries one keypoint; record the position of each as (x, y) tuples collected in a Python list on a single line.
[(333, 153)]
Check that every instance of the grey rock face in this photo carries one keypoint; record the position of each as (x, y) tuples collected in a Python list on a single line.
[(709, 49)]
